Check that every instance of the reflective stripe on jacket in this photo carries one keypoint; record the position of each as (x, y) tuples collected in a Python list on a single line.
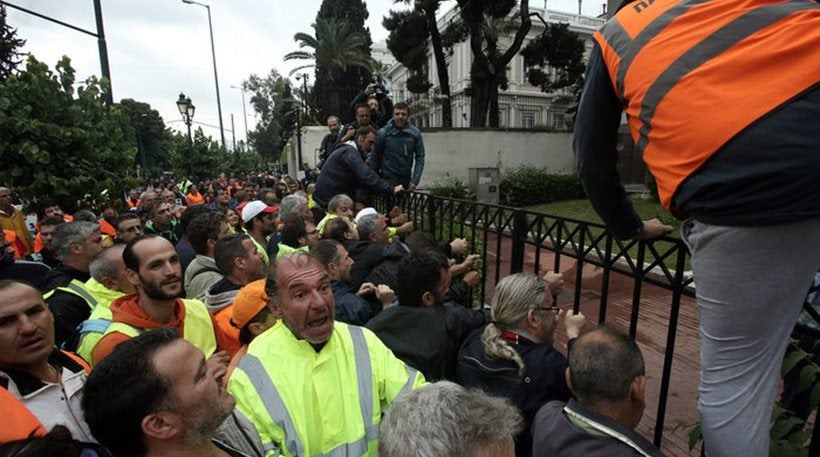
[(197, 329), (77, 288), (684, 69), (93, 329), (325, 403)]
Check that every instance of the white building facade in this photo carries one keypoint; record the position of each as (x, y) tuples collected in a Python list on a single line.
[(520, 106)]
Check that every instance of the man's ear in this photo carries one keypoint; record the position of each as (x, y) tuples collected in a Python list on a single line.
[(568, 379), (132, 276), (162, 425), (427, 299), (75, 248), (109, 282), (274, 308), (637, 390)]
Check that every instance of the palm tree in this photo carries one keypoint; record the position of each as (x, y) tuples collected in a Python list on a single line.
[(335, 47)]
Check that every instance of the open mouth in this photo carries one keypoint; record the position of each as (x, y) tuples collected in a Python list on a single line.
[(33, 343), (316, 323)]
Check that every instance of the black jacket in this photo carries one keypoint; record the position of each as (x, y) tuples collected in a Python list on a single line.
[(343, 173), (554, 434), (69, 309), (350, 308), (542, 381), (427, 337), (368, 256)]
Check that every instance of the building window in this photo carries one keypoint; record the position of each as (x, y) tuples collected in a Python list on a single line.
[(528, 119)]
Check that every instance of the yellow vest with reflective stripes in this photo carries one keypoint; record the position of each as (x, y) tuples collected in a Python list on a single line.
[(92, 330), (197, 329), (326, 403), (77, 288)]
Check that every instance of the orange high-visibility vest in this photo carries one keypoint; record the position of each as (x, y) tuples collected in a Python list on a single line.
[(693, 74), (19, 422)]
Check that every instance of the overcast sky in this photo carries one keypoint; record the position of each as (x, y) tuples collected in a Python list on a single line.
[(159, 48)]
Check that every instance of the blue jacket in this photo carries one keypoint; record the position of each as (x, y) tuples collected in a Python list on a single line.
[(343, 173), (395, 152)]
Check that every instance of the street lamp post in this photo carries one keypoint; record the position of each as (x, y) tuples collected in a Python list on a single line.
[(216, 78), (244, 113), (186, 109)]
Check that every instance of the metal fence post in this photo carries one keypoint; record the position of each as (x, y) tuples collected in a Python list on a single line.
[(519, 241)]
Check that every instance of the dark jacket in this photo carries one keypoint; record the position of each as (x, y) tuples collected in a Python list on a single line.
[(326, 148), (343, 173), (554, 435), (368, 256), (69, 309), (542, 381), (399, 153), (26, 271), (380, 118), (427, 337), (350, 308)]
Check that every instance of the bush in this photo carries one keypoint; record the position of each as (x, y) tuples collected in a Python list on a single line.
[(451, 187), (528, 185)]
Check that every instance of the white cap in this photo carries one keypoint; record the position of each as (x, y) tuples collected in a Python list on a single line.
[(252, 209), (365, 212)]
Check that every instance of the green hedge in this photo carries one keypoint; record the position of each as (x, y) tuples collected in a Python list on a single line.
[(451, 187), (528, 185)]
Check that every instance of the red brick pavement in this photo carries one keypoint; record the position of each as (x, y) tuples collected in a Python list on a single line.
[(652, 332)]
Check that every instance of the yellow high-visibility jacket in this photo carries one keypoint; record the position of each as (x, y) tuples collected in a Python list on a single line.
[(329, 403)]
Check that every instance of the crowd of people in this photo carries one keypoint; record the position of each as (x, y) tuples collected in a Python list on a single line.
[(239, 316)]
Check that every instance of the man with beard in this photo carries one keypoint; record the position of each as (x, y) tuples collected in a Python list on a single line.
[(174, 402), (152, 266), (311, 385), (423, 330), (329, 141)]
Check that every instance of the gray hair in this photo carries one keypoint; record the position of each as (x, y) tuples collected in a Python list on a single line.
[(338, 200), (70, 233), (291, 204), (368, 225), (104, 265), (513, 298), (446, 419)]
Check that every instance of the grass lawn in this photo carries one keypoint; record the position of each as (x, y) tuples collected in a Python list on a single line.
[(647, 209), (582, 210)]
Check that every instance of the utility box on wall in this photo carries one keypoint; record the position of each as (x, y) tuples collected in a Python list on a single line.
[(484, 182)]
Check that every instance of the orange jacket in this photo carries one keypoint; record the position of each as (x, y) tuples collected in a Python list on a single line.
[(19, 422), (229, 342), (107, 228), (670, 61), (194, 199), (16, 244)]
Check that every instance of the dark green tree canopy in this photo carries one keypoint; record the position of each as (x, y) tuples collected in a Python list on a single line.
[(273, 101), (557, 48), (331, 97), (59, 142), (10, 56)]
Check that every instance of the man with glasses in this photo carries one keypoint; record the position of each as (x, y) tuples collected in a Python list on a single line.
[(513, 356)]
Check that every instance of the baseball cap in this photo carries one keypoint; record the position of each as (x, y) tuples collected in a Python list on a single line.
[(364, 212), (248, 302), (255, 207)]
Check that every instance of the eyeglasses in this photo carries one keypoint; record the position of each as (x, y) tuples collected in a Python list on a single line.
[(554, 309)]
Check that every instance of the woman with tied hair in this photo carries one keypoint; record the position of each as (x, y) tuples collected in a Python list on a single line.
[(513, 356)]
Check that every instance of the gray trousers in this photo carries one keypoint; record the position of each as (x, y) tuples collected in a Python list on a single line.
[(751, 282)]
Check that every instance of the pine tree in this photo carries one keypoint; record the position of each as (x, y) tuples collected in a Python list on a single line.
[(10, 57)]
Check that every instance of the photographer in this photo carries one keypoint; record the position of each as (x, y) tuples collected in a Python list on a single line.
[(377, 99)]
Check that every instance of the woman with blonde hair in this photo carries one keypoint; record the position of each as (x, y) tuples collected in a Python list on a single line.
[(513, 355)]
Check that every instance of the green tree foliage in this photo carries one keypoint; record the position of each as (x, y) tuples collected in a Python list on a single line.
[(334, 47), (562, 51), (332, 97), (273, 101), (153, 141), (411, 33), (10, 57), (485, 22), (206, 158), (58, 141)]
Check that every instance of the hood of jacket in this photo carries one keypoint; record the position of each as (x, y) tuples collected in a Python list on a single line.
[(127, 310)]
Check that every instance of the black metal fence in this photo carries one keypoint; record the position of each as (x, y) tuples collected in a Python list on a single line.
[(514, 233)]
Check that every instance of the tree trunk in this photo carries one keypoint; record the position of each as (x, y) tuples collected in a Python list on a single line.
[(480, 98), (441, 69)]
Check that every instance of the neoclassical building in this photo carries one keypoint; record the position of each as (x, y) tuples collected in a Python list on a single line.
[(520, 106)]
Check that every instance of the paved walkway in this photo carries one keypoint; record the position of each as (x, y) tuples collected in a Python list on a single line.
[(652, 332)]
